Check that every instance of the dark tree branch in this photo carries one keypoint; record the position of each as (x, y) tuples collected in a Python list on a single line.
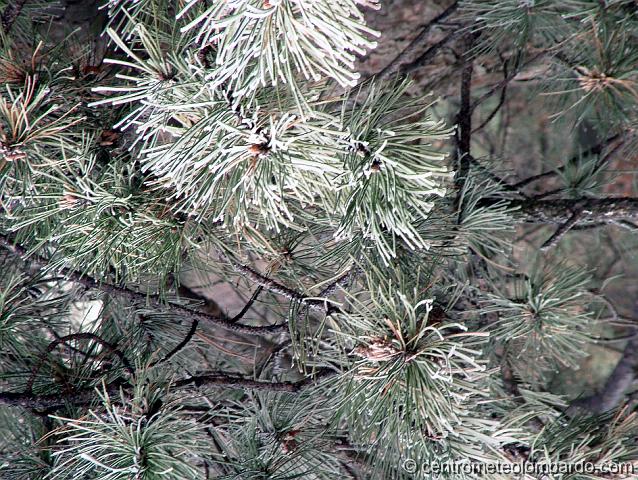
[(415, 44), (51, 401), (133, 296), (592, 209), (595, 150), (180, 345), (625, 224), (504, 185), (616, 385), (463, 134), (464, 120), (191, 385), (249, 304), (561, 231), (278, 288), (503, 83), (209, 304), (500, 104), (429, 54), (75, 336)]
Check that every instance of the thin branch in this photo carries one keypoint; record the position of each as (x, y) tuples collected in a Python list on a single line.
[(76, 336), (625, 224), (506, 186), (508, 78), (133, 296), (595, 150), (500, 104), (561, 231), (430, 53), (548, 193), (243, 311), (180, 345), (414, 45), (278, 288), (191, 385)]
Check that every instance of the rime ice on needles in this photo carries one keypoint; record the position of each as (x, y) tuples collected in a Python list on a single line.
[(392, 174), (265, 43)]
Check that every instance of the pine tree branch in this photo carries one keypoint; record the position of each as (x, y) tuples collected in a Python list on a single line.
[(415, 44), (189, 336), (621, 378), (133, 296), (190, 385), (278, 288), (223, 380), (342, 281), (560, 210), (561, 231), (75, 336), (249, 304), (595, 150)]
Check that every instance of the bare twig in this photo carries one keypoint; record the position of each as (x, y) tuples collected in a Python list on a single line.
[(561, 231), (180, 345), (75, 336), (278, 288), (500, 104), (415, 44), (504, 185), (249, 304), (135, 296), (508, 78), (191, 385), (430, 53), (595, 150)]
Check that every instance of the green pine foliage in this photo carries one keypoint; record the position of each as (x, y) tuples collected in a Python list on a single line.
[(388, 314)]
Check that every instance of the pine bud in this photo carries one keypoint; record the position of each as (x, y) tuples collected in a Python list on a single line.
[(108, 138), (11, 153), (378, 350), (68, 201), (259, 149), (376, 166)]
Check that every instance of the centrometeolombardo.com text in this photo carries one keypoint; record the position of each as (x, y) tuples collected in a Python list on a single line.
[(519, 468)]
